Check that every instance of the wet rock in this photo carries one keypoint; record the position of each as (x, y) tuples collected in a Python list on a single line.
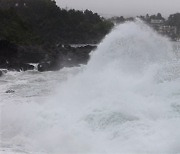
[(50, 58), (11, 59), (1, 73), (25, 67), (31, 54), (10, 91), (4, 71), (66, 56), (44, 66), (53, 65), (19, 66)]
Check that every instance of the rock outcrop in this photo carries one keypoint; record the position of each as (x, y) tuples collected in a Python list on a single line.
[(66, 56), (13, 57), (9, 57)]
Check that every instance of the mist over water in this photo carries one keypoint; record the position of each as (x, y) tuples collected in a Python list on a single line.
[(126, 100)]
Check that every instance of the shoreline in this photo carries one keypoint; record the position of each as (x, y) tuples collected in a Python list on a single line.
[(51, 58)]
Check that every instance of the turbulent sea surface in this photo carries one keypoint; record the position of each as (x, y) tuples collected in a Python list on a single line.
[(125, 101)]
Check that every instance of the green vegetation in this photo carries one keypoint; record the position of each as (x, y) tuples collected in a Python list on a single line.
[(43, 22), (13, 28)]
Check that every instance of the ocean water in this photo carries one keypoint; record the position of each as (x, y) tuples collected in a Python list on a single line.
[(126, 100)]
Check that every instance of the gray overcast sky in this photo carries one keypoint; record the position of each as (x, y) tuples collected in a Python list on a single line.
[(124, 7)]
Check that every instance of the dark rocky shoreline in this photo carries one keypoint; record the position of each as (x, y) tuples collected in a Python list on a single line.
[(19, 58)]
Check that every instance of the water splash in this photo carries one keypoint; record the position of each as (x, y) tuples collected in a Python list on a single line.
[(126, 100)]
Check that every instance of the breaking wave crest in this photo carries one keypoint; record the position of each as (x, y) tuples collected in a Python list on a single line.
[(126, 100)]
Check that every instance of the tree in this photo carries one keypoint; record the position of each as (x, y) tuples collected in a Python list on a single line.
[(174, 20), (45, 20)]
